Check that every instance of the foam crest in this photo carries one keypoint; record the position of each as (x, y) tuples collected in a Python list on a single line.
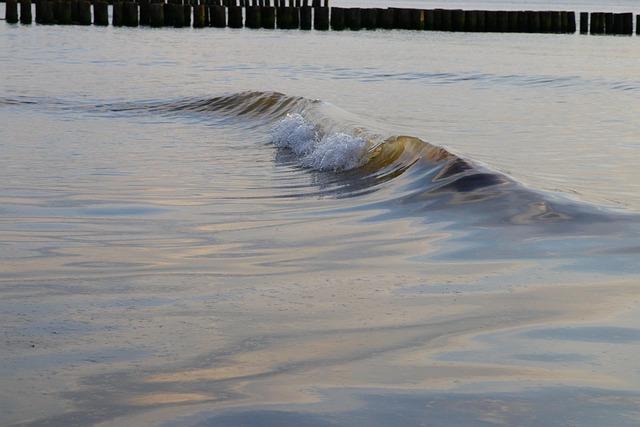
[(335, 151)]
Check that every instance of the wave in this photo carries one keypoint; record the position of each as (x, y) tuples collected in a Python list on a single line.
[(365, 158)]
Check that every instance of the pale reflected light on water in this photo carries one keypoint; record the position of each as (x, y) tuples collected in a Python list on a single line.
[(223, 228)]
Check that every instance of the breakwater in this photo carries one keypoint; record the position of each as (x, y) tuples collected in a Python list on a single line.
[(305, 15)]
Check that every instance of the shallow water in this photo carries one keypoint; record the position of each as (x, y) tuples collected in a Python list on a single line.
[(235, 227)]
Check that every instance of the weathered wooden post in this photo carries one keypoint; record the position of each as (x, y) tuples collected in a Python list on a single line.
[(25, 12), (429, 20), (283, 17), (48, 16), (482, 20), (417, 19), (564, 22), (268, 17), (253, 17), (608, 23), (617, 23), (584, 22), (101, 13), (402, 18), (218, 16), (144, 12), (11, 11), (533, 21), (491, 21), (337, 18), (354, 19), (235, 16), (130, 14), (555, 22), (638, 25), (156, 15), (523, 22), (321, 18), (597, 23), (512, 21), (447, 20), (386, 18), (471, 21), (295, 17), (627, 23), (199, 15), (571, 22), (369, 18), (457, 20), (437, 19), (545, 22), (306, 20), (503, 21), (84, 12)]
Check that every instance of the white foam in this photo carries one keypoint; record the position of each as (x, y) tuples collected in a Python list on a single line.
[(335, 151)]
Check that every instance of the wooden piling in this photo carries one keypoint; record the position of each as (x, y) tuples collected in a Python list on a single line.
[(354, 19), (555, 22), (144, 12), (417, 19), (369, 19), (617, 23), (100, 13), (321, 18), (584, 22), (512, 21), (295, 17), (545, 22), (447, 20), (306, 18), (523, 22), (84, 12), (638, 25), (387, 18), (130, 14), (482, 20), (597, 23), (457, 20), (608, 23), (503, 21), (471, 21), (178, 15), (268, 17), (402, 19), (337, 18), (235, 16), (491, 21), (437, 19), (253, 17), (156, 14), (11, 11), (218, 16), (25, 12), (627, 24), (47, 13), (564, 22), (199, 15), (571, 22), (429, 20)]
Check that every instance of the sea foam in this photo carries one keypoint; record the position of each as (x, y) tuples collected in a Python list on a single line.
[(334, 151)]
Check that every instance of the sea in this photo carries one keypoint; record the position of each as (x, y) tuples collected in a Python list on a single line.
[(234, 227)]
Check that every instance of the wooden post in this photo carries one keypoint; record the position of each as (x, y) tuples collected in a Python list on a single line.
[(523, 22), (571, 17), (608, 23), (11, 11), (84, 12), (48, 16), (101, 13), (471, 21), (597, 23), (235, 16), (306, 18), (354, 19), (295, 17), (25, 12), (447, 20), (402, 19), (627, 23), (369, 18), (144, 12), (564, 22), (156, 15), (457, 20), (555, 22), (417, 19), (491, 21), (503, 21), (337, 18), (638, 25), (482, 20), (130, 14), (283, 17), (268, 17), (429, 21), (584, 22), (512, 20), (321, 18), (199, 14), (253, 17), (387, 18), (186, 13), (437, 19)]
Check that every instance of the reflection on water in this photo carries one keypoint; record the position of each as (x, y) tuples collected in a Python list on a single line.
[(180, 246)]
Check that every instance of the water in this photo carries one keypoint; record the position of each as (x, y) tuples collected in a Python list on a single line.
[(234, 227)]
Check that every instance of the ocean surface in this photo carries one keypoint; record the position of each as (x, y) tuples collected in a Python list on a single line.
[(226, 227)]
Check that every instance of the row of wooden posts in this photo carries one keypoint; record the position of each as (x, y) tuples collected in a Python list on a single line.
[(298, 14)]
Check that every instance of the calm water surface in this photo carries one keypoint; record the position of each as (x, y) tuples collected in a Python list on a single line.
[(235, 227)]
